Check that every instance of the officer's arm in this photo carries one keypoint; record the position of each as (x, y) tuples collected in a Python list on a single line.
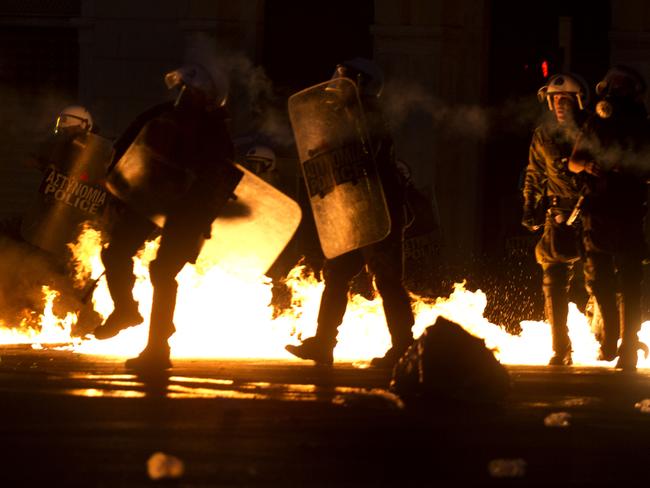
[(535, 177), (581, 158), (128, 136), (216, 177)]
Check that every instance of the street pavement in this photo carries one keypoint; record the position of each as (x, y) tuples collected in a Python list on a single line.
[(74, 420)]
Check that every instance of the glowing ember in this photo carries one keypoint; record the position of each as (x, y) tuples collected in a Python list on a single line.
[(221, 315)]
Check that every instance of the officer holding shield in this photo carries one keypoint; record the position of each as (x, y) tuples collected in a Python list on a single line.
[(74, 161), (172, 166), (358, 203)]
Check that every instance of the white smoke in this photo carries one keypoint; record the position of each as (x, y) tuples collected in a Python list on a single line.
[(252, 101), (404, 100)]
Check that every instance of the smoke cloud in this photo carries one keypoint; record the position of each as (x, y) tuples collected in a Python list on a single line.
[(405, 99), (253, 103), (257, 108), (617, 145)]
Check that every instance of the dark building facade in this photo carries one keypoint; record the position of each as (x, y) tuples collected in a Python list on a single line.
[(461, 79)]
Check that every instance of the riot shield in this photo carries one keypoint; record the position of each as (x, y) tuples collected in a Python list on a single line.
[(422, 243), (70, 193), (148, 180), (344, 188), (252, 229)]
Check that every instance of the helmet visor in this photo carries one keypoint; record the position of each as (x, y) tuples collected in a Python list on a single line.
[(68, 120)]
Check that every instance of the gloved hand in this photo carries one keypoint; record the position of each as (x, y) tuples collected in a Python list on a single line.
[(528, 219)]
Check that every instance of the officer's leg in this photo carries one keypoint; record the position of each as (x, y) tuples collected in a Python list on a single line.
[(600, 280), (338, 273), (555, 285), (128, 234), (178, 246), (630, 278), (385, 260)]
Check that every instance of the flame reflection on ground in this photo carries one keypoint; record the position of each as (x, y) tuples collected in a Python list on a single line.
[(183, 387)]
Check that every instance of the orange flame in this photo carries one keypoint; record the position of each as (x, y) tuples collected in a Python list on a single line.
[(220, 315)]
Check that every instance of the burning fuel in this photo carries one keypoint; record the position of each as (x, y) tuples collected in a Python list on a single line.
[(223, 315)]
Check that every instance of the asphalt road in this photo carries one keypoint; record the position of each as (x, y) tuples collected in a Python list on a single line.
[(71, 420)]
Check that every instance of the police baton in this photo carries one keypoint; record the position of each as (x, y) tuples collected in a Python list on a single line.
[(89, 289), (575, 213)]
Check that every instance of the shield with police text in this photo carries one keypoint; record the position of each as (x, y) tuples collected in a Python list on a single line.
[(252, 229), (71, 193), (338, 166)]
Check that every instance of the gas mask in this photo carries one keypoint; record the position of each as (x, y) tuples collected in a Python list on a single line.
[(604, 109), (614, 104), (619, 91)]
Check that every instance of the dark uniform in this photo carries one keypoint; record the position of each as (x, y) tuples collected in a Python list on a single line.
[(613, 220), (196, 140), (384, 259), (548, 179)]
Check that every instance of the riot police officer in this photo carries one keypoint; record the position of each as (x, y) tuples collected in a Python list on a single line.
[(184, 151), (73, 160), (610, 153), (261, 160), (384, 258), (549, 184)]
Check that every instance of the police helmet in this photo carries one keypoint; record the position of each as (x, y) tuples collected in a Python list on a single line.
[(261, 159), (565, 83), (365, 73), (74, 116), (623, 81), (212, 84)]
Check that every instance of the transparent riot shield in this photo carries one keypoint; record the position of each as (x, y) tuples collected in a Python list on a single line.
[(253, 228), (71, 192), (344, 188)]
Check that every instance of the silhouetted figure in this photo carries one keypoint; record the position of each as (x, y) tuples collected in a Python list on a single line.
[(173, 166), (612, 154)]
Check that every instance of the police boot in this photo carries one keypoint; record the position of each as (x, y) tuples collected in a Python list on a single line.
[(627, 354), (556, 304), (154, 358), (121, 318), (318, 349), (627, 358), (392, 356), (609, 315)]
